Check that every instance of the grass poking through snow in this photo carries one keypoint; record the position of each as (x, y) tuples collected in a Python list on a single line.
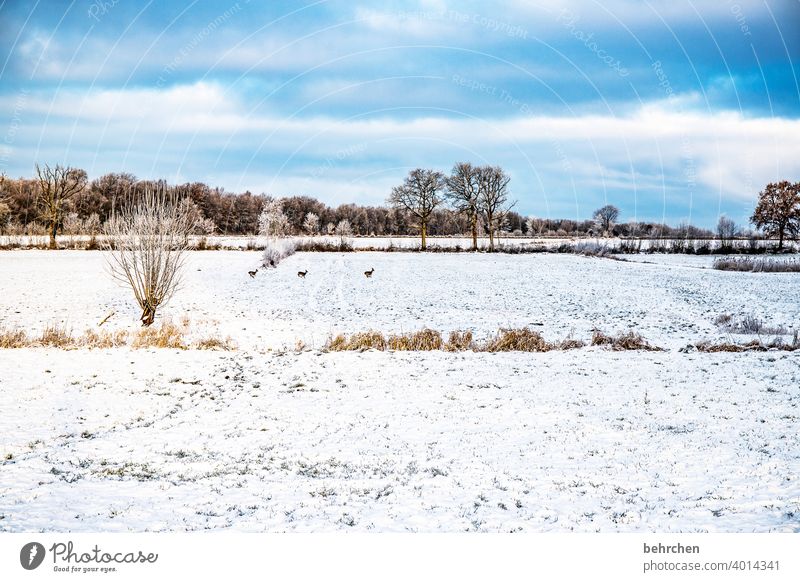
[(506, 340)]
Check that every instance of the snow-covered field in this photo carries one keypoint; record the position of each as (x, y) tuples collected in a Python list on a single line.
[(267, 438)]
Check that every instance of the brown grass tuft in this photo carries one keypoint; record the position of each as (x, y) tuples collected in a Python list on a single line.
[(13, 338), (517, 340), (56, 336), (168, 335), (215, 343), (425, 340), (104, 339), (368, 340), (459, 341), (569, 343), (623, 341)]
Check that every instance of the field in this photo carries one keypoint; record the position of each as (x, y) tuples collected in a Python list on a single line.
[(281, 435)]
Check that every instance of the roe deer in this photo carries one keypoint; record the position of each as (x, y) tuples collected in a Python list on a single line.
[(368, 274), (252, 273), (302, 274)]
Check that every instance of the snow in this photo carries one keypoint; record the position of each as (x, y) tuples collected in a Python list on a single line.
[(273, 439), (670, 304)]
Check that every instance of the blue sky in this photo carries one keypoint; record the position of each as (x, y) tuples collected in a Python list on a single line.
[(674, 110)]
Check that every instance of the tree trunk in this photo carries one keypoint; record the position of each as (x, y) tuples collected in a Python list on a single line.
[(53, 230), (148, 315), (424, 232), (474, 232), (780, 239), (491, 238)]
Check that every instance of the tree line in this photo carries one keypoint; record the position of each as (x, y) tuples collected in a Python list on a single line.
[(472, 201)]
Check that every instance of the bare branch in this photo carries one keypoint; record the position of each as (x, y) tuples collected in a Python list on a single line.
[(148, 243)]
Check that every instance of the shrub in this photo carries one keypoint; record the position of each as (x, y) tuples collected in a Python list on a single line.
[(276, 250), (326, 246), (747, 325)]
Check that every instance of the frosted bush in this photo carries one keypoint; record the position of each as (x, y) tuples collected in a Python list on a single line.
[(276, 250)]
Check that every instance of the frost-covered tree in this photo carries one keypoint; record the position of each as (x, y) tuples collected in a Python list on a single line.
[(72, 224), (272, 221), (420, 194), (534, 226), (344, 229), (606, 217), (311, 223), (330, 228), (148, 241), (777, 213)]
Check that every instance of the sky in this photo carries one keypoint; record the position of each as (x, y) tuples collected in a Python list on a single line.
[(673, 110)]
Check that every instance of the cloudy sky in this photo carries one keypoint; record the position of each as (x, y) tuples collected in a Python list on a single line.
[(669, 109)]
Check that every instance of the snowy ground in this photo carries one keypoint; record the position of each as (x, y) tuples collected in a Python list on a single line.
[(671, 302), (267, 440)]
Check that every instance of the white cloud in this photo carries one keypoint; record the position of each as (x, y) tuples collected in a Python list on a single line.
[(189, 128)]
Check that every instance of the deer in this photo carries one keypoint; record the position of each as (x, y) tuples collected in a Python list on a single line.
[(302, 274), (368, 274), (252, 273)]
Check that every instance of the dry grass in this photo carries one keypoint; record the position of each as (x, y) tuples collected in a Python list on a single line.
[(459, 341), (516, 340), (751, 346), (421, 341), (215, 343), (13, 338), (757, 265), (168, 335), (506, 340), (623, 341), (368, 340), (56, 336), (104, 339), (569, 343)]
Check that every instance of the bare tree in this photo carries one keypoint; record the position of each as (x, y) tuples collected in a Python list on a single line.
[(493, 198), (778, 210), (606, 217), (463, 192), (726, 230), (419, 194), (57, 185), (148, 241)]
